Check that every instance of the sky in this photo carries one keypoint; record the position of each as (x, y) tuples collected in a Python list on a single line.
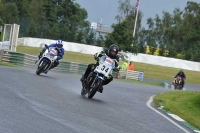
[(107, 9)]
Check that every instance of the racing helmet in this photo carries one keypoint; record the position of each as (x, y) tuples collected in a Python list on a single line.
[(113, 50), (181, 72), (59, 44)]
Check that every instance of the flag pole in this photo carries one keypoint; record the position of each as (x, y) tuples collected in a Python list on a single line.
[(129, 60), (136, 19)]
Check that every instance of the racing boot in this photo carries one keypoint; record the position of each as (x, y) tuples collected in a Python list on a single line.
[(101, 89), (39, 56), (82, 78), (36, 61)]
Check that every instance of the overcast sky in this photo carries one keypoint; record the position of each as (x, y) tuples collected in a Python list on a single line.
[(107, 9)]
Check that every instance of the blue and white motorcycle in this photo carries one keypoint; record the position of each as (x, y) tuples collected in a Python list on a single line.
[(96, 78), (47, 60)]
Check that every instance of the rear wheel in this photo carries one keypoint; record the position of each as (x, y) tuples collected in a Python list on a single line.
[(94, 89), (41, 68)]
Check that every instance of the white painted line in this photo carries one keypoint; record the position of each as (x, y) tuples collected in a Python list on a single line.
[(149, 105), (176, 117), (197, 131)]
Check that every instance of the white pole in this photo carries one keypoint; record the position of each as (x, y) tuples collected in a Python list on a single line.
[(13, 37), (136, 20), (16, 37), (129, 60), (4, 29)]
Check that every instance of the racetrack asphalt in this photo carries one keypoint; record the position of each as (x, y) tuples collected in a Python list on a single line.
[(52, 103)]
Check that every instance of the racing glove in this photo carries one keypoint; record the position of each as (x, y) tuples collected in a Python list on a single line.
[(96, 58)]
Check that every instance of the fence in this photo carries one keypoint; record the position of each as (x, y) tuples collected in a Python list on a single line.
[(26, 60)]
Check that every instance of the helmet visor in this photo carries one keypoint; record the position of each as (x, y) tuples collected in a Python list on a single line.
[(59, 45), (113, 53)]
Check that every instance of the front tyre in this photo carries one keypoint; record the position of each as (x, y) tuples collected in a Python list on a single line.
[(94, 89), (83, 92), (41, 68)]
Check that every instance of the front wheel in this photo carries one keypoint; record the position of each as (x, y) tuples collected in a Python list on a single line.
[(176, 86), (181, 87), (94, 89), (41, 68), (83, 92)]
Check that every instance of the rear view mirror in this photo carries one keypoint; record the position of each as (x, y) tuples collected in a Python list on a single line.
[(46, 45)]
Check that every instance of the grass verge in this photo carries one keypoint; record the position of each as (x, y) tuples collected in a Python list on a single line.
[(185, 104), (141, 82), (150, 71), (68, 56), (6, 64)]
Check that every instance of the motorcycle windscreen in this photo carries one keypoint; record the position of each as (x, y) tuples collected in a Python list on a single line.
[(107, 60), (110, 62)]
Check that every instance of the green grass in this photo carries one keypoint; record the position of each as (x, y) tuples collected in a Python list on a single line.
[(141, 82), (185, 104), (5, 64), (150, 71), (68, 56), (166, 73)]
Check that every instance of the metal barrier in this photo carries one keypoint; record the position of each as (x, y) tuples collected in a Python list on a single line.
[(26, 60)]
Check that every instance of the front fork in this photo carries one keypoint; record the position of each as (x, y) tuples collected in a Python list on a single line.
[(87, 83)]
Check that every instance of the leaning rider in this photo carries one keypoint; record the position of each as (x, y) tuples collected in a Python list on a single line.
[(182, 74), (59, 46), (112, 53)]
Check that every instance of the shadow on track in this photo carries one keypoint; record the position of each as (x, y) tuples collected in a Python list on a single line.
[(92, 100)]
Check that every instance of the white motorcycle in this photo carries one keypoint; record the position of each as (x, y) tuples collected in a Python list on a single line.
[(47, 60), (96, 78)]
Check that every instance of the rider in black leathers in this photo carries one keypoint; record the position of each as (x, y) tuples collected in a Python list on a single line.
[(182, 74), (112, 53)]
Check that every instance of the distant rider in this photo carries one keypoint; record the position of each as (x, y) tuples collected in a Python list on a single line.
[(182, 75), (112, 53), (59, 46)]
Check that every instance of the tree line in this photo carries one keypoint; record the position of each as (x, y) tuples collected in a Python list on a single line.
[(177, 32), (53, 19)]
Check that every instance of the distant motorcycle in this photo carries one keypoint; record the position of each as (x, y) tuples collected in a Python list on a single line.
[(47, 60), (96, 78), (178, 83)]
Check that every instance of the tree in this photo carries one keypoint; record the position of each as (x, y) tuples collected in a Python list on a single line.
[(8, 10), (141, 41), (80, 37), (72, 16), (1, 22), (90, 39), (124, 9), (120, 36), (101, 41), (161, 49)]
